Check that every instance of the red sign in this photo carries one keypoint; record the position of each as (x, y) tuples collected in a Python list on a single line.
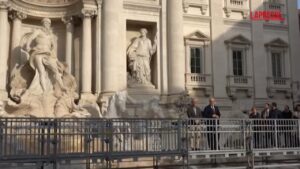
[(272, 15)]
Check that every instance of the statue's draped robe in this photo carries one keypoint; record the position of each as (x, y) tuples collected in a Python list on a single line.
[(140, 55)]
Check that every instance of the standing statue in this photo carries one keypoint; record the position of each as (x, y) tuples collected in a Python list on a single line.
[(42, 87), (139, 54)]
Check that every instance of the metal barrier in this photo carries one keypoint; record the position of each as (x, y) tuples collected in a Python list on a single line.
[(30, 140), (27, 140)]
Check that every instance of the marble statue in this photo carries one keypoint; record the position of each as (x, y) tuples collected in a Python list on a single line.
[(42, 86), (139, 55)]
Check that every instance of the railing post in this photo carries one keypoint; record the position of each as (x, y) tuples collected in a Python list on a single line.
[(185, 142), (109, 142), (42, 143), (276, 134), (87, 141), (217, 135), (179, 136), (249, 144), (54, 143), (298, 138), (147, 134), (1, 139)]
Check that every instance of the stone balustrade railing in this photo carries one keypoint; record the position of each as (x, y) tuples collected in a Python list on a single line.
[(279, 82), (243, 81), (196, 79)]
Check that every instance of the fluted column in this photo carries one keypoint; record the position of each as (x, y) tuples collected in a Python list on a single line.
[(176, 58), (69, 41), (4, 32), (86, 68), (111, 44), (16, 18)]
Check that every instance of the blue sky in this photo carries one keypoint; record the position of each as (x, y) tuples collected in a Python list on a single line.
[(298, 3)]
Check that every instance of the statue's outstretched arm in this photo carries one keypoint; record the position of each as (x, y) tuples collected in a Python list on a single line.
[(154, 47)]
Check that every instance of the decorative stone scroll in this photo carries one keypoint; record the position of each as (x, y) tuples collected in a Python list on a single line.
[(17, 15)]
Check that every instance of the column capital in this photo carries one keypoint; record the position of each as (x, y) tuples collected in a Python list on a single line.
[(4, 5), (67, 19), (17, 15), (88, 12)]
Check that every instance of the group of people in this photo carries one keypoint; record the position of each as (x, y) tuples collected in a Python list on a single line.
[(264, 130), (211, 111), (272, 112)]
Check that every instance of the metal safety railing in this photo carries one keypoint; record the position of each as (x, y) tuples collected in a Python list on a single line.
[(30, 140), (53, 140)]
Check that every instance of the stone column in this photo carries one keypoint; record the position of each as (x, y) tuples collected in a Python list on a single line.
[(176, 58), (69, 41), (261, 65), (4, 45), (111, 44), (86, 64), (15, 57), (98, 49), (294, 47)]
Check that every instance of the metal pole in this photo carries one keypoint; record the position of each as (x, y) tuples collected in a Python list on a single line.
[(42, 124), (54, 142), (249, 144), (87, 143)]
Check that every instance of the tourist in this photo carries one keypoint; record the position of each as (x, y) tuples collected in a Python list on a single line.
[(264, 126), (286, 113), (286, 123), (194, 112), (255, 123), (266, 111), (274, 112), (296, 113), (273, 116), (212, 113)]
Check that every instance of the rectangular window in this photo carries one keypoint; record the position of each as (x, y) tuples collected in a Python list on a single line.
[(237, 58), (196, 60), (276, 64)]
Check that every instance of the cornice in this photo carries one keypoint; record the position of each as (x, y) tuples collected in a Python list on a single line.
[(241, 23), (142, 7), (52, 3), (39, 11), (280, 27), (196, 18)]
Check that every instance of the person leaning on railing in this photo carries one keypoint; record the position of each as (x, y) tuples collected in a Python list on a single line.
[(212, 113)]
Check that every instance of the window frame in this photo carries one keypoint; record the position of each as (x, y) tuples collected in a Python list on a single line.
[(202, 55), (243, 60), (279, 73)]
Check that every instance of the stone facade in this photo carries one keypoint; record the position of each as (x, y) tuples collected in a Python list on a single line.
[(93, 37)]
